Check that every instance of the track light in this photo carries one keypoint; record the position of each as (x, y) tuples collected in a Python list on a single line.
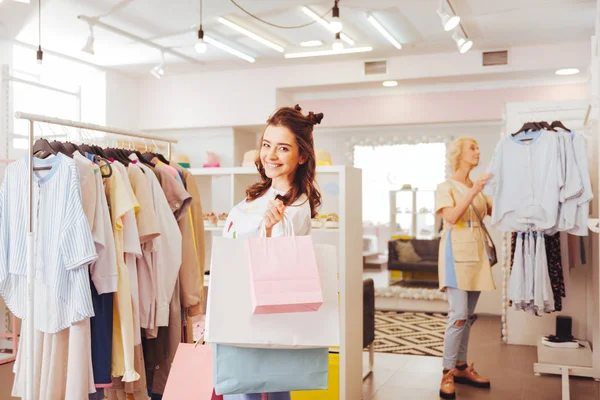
[(384, 32), (326, 24), (251, 35), (336, 25), (462, 43), (158, 72), (89, 45), (337, 44), (201, 45), (449, 21)]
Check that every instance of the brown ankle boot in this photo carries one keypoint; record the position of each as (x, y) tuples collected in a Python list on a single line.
[(447, 390), (470, 377)]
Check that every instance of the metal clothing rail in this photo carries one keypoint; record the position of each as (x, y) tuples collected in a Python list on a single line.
[(29, 392)]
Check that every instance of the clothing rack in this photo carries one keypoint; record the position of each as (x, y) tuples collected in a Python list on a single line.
[(561, 367), (29, 392)]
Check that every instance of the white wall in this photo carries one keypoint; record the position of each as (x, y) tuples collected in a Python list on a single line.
[(122, 101)]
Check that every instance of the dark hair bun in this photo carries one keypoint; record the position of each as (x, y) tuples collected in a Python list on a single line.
[(315, 118), (297, 107)]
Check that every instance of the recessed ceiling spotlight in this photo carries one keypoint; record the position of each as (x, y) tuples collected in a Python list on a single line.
[(567, 71), (390, 83), (311, 43)]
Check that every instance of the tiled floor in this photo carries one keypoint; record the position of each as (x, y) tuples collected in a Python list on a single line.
[(510, 369)]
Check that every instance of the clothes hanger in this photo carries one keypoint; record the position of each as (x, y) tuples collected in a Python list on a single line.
[(560, 125), (546, 126), (43, 147), (528, 126)]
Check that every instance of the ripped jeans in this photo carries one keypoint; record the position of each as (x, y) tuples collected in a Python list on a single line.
[(456, 340)]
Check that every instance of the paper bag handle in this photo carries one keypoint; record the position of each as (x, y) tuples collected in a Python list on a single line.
[(288, 226)]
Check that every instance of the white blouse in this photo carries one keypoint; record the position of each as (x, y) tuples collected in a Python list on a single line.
[(245, 218), (63, 244), (526, 183)]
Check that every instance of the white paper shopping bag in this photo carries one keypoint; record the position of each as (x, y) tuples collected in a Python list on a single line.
[(230, 319)]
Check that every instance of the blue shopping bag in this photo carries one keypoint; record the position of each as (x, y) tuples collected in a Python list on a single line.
[(240, 370)]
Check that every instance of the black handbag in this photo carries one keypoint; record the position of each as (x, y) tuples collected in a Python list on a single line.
[(490, 248)]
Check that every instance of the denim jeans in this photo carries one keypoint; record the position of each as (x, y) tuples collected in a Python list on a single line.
[(456, 340)]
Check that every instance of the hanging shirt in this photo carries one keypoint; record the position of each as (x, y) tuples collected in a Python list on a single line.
[(88, 186), (123, 338), (132, 250), (63, 244), (148, 230), (583, 204), (167, 248), (526, 182), (245, 218)]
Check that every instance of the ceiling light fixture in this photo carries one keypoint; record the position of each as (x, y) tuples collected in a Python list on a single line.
[(390, 83), (567, 71), (89, 45), (251, 35), (200, 45), (337, 43), (229, 49), (159, 71), (449, 21), (311, 43), (384, 32), (319, 53), (335, 25), (326, 24), (40, 53), (462, 42)]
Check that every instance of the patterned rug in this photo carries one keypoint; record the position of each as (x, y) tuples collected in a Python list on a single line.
[(418, 334)]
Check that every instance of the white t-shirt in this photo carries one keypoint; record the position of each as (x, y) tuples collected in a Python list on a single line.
[(245, 218)]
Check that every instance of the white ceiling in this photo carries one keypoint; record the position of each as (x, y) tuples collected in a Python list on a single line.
[(491, 24)]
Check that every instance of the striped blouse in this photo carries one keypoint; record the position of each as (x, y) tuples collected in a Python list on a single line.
[(63, 245)]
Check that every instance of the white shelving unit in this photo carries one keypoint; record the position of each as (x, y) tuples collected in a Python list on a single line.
[(341, 189)]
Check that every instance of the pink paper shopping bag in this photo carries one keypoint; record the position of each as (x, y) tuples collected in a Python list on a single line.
[(191, 376), (284, 277)]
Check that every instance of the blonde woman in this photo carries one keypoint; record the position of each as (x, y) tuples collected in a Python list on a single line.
[(464, 269)]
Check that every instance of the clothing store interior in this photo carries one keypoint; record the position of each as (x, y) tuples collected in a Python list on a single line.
[(417, 179)]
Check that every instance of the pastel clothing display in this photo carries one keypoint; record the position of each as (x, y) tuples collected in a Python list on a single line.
[(463, 262), (542, 191), (109, 279)]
